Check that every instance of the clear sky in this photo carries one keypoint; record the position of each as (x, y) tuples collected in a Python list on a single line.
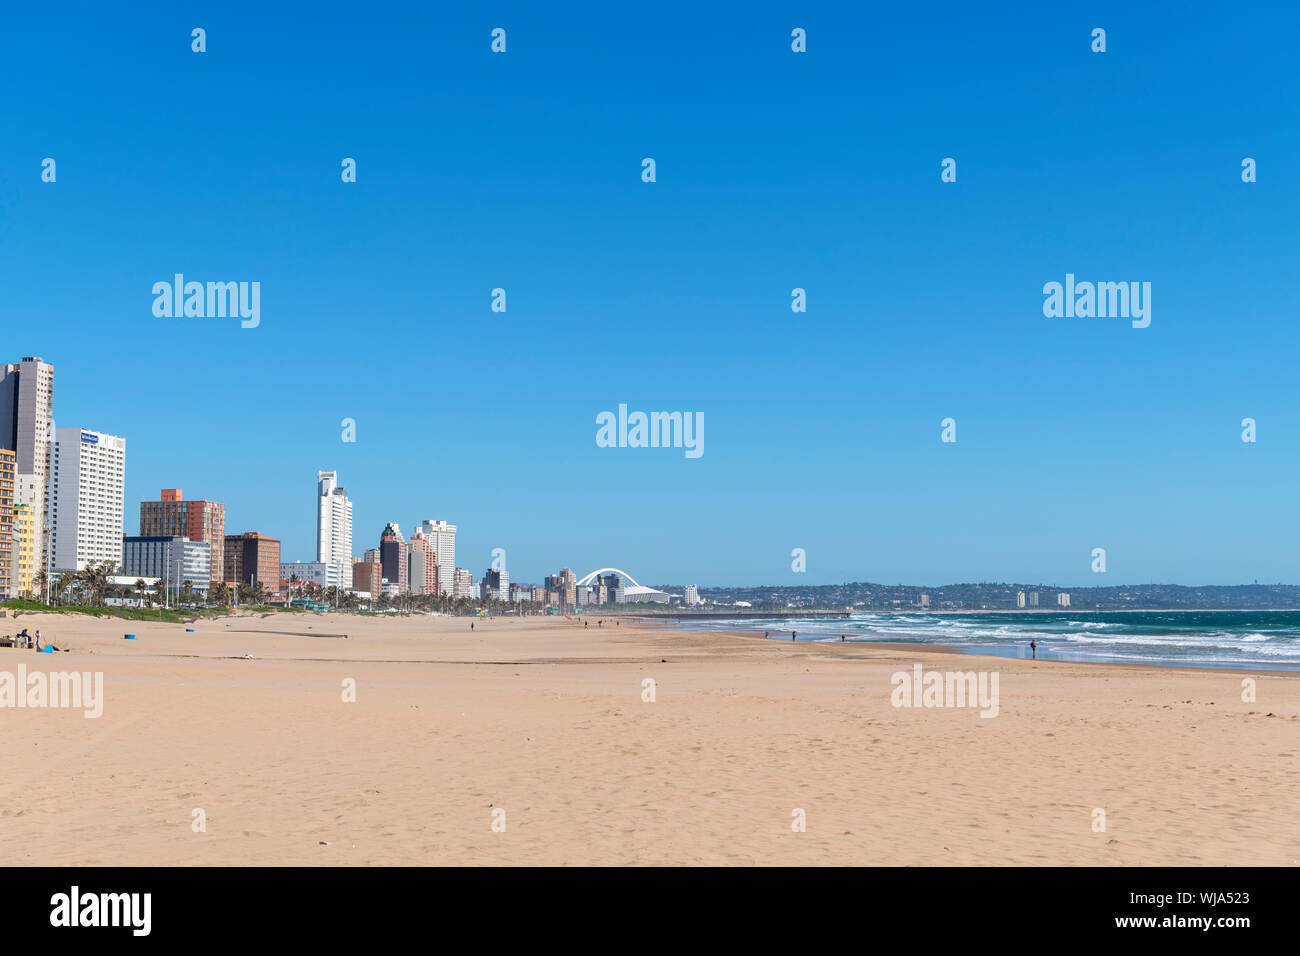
[(775, 170)]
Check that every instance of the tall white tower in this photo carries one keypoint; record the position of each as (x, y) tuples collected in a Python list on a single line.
[(333, 523), (442, 544), (86, 513)]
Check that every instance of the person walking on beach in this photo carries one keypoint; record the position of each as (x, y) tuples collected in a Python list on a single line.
[(792, 634), (1033, 649)]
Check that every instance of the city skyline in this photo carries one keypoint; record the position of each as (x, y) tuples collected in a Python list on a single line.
[(329, 493), (925, 298)]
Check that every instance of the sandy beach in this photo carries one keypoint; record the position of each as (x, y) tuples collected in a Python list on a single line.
[(545, 719)]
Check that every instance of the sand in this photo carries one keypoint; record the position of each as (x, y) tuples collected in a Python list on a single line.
[(545, 720)]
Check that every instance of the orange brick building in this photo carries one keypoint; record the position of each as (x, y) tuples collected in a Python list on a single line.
[(197, 520), (253, 557)]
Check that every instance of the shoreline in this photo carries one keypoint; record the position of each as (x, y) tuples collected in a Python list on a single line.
[(971, 651)]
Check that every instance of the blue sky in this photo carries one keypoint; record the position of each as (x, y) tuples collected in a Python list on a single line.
[(775, 170)]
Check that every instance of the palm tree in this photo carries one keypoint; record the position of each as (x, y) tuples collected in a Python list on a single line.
[(221, 593)]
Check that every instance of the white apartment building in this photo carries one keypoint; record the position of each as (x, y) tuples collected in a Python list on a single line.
[(333, 523), (88, 492), (327, 574), (442, 545)]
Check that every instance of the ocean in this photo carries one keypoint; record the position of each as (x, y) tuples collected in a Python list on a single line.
[(1234, 639)]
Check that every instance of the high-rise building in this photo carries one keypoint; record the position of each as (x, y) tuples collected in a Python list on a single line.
[(422, 569), (88, 498), (693, 595), (1020, 599), (26, 536), (1033, 599), (462, 584), (430, 581), (26, 420), (1063, 599), (442, 543), (333, 522), (8, 464), (252, 557), (392, 555), (613, 584), (566, 585), (496, 584), (198, 520)]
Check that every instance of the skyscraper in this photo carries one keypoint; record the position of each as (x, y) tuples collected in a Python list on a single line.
[(197, 520), (26, 535), (89, 498), (423, 573), (392, 555), (26, 418), (333, 523), (8, 460), (442, 543)]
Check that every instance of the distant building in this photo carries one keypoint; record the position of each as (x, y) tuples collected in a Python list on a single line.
[(565, 584), (26, 536), (925, 600), (613, 584), (88, 499), (1063, 599), (368, 578), (1033, 599), (692, 595), (253, 557), (463, 584), (323, 574), (417, 561), (8, 464), (173, 559), (1020, 599), (392, 555), (496, 584), (442, 545), (333, 522), (26, 423), (198, 520)]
